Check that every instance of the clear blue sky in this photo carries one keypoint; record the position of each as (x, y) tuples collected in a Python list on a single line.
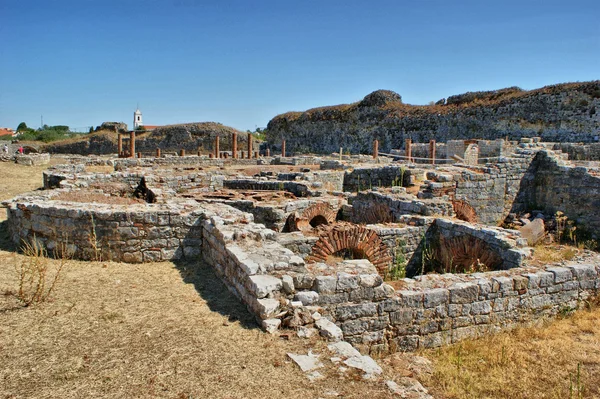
[(80, 63)]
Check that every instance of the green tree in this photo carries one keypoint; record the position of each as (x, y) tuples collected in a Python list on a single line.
[(22, 127)]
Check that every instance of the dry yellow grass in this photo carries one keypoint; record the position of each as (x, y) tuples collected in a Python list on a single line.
[(536, 362)]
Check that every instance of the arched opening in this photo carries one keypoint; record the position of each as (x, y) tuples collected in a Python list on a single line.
[(464, 211), (318, 220), (345, 241)]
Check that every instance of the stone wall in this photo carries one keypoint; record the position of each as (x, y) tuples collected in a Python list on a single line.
[(561, 113), (367, 177), (553, 184), (122, 233)]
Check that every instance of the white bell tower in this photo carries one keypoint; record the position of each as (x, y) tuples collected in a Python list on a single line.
[(137, 119)]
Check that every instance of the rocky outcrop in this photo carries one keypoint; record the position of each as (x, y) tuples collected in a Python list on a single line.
[(117, 127), (567, 112)]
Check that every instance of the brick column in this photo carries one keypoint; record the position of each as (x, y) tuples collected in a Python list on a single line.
[(234, 145), (268, 152), (432, 151), (216, 149), (249, 145), (283, 149), (158, 153), (120, 145), (132, 144), (375, 149), (182, 153), (408, 150)]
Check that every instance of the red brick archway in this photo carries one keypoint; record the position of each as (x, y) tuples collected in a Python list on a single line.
[(315, 215), (464, 211), (359, 239)]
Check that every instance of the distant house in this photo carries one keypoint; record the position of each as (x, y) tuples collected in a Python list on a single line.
[(5, 131)]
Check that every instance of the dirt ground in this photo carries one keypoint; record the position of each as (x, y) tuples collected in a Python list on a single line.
[(172, 330)]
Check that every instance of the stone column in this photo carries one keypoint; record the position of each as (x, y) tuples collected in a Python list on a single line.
[(375, 149), (234, 145), (249, 145), (282, 148), (408, 150), (120, 145), (216, 149), (432, 151), (132, 144)]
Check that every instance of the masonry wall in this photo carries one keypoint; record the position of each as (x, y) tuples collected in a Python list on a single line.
[(552, 185), (133, 234)]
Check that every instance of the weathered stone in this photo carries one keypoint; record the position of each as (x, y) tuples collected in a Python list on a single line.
[(329, 330), (271, 325), (435, 297), (533, 232), (263, 285), (307, 297), (464, 293), (288, 284)]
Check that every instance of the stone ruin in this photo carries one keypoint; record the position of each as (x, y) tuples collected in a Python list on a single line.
[(390, 255)]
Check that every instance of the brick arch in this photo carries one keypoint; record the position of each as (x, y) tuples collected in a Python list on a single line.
[(317, 214), (359, 239), (464, 211)]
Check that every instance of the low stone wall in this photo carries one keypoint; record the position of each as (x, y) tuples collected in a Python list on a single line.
[(122, 233), (369, 206), (33, 159), (298, 189), (366, 177)]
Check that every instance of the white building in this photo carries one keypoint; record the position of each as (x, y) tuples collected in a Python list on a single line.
[(137, 119)]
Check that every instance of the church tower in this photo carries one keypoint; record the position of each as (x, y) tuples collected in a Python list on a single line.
[(137, 119)]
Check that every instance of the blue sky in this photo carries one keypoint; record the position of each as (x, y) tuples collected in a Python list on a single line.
[(80, 63)]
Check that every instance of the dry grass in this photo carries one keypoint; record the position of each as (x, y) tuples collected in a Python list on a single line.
[(535, 362), (545, 254)]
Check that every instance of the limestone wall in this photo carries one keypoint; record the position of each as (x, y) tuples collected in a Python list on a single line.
[(561, 113), (553, 184), (122, 233)]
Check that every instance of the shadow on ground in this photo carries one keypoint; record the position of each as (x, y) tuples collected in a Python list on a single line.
[(6, 243), (214, 292)]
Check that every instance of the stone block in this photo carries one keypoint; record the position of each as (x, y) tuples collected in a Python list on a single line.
[(304, 281), (561, 274), (383, 291), (325, 284), (583, 272), (502, 284), (464, 293), (263, 285), (520, 283), (546, 279), (267, 307), (307, 297), (435, 340), (435, 297), (288, 284), (483, 307), (346, 282), (402, 317), (413, 299), (329, 330), (333, 299), (345, 312), (370, 280), (407, 343), (533, 232)]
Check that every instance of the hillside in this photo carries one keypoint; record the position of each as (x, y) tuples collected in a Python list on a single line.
[(190, 136), (567, 112)]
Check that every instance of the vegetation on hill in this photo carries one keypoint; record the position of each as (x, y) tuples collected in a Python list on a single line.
[(45, 134), (390, 104)]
